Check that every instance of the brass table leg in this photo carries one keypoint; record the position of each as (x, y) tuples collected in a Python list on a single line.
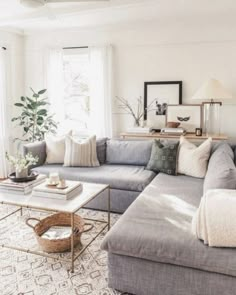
[(72, 242)]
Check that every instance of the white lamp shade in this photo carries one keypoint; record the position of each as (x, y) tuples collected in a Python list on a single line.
[(212, 89)]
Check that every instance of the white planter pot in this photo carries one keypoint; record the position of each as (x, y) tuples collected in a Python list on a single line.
[(22, 173)]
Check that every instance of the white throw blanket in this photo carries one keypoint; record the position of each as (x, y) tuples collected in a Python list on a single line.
[(215, 219)]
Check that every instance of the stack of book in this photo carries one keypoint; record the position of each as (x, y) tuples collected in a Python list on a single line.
[(72, 189), (141, 130), (23, 188), (173, 131)]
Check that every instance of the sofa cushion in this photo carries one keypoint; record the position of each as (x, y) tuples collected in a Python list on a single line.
[(157, 227), (221, 171), (132, 178), (223, 146), (163, 157), (101, 150), (81, 153), (128, 152), (234, 149), (193, 160), (55, 148), (37, 148)]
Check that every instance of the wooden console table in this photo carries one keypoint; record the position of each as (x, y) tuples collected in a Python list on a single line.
[(158, 135)]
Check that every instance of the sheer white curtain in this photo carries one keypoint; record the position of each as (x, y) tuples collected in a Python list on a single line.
[(101, 90), (4, 134), (55, 82)]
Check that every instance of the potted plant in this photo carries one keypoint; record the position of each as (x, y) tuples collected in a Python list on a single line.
[(35, 119), (22, 163)]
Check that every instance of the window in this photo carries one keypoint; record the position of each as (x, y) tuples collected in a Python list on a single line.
[(79, 84), (76, 89)]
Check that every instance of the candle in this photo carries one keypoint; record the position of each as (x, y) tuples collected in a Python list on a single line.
[(198, 131), (54, 178)]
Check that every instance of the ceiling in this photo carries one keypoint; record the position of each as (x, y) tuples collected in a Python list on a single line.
[(117, 13)]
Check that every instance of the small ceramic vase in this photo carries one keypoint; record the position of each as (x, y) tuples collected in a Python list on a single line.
[(22, 173)]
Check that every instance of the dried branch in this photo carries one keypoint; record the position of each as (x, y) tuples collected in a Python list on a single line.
[(128, 109)]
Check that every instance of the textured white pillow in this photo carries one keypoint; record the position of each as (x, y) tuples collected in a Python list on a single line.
[(55, 149), (193, 160), (81, 153)]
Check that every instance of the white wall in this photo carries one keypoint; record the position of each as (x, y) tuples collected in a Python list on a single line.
[(150, 54), (15, 49)]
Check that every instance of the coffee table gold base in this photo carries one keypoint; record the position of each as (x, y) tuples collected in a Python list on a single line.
[(73, 256)]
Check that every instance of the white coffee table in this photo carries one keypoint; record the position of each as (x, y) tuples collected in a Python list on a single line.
[(88, 193)]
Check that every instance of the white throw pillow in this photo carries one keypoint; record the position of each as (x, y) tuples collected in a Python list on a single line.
[(193, 160), (81, 153), (55, 148)]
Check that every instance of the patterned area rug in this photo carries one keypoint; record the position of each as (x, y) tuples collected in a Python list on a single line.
[(28, 274)]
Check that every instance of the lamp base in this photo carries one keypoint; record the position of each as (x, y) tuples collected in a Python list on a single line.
[(211, 117)]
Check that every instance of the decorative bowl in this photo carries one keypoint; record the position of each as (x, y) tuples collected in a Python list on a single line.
[(33, 175)]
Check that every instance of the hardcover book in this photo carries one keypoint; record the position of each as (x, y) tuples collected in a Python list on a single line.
[(72, 189)]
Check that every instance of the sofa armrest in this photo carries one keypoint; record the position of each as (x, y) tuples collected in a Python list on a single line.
[(36, 149)]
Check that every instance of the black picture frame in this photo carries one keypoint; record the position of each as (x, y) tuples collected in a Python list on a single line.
[(176, 100)]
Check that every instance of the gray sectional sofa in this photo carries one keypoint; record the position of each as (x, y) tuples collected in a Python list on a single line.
[(122, 167), (151, 250)]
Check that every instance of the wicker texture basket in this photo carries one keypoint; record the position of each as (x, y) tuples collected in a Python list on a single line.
[(58, 219)]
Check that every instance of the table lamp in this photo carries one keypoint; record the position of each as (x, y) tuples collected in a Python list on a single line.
[(210, 91)]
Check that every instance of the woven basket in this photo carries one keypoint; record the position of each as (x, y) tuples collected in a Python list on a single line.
[(58, 219)]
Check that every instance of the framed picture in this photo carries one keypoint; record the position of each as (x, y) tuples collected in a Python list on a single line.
[(188, 115), (157, 95)]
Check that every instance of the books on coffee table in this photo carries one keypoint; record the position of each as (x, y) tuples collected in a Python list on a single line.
[(73, 188), (7, 185)]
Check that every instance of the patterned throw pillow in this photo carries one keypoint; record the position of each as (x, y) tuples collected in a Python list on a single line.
[(81, 153), (163, 158)]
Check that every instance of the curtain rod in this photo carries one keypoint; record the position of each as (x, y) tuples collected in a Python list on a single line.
[(81, 47)]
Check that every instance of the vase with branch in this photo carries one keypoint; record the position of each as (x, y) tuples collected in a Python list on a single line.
[(21, 163), (137, 111)]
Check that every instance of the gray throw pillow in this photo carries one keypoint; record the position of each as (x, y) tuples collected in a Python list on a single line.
[(37, 148), (163, 158), (101, 146), (221, 173), (235, 155)]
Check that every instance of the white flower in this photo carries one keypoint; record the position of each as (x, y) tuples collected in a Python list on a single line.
[(22, 162)]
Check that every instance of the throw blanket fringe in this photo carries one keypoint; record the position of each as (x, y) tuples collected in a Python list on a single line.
[(215, 219)]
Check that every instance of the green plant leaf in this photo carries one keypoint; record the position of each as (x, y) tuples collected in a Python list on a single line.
[(15, 119), (42, 112), (40, 122), (29, 106), (34, 105), (25, 113), (42, 91), (41, 103), (29, 99), (35, 95), (22, 98), (18, 104)]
